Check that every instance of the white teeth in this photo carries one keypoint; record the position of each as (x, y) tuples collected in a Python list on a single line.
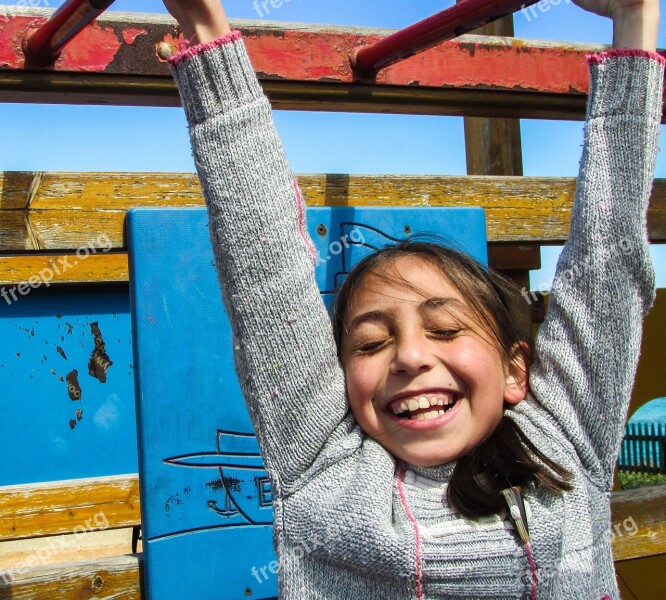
[(420, 417), (413, 404), (436, 402), (440, 412), (423, 402)]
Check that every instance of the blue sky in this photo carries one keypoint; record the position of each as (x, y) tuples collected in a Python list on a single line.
[(89, 138)]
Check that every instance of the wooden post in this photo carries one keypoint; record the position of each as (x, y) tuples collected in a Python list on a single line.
[(493, 147)]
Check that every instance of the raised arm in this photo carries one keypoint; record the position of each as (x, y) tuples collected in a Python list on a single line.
[(588, 347), (284, 351)]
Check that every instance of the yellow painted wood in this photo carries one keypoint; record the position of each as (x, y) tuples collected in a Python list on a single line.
[(40, 269), (52, 508), (639, 522), (70, 210), (102, 579)]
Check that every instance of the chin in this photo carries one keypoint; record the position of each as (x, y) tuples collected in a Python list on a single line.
[(429, 460)]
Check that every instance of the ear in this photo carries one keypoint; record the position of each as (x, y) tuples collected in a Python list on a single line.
[(517, 382)]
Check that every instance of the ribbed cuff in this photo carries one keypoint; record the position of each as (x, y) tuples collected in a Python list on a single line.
[(215, 77), (623, 81)]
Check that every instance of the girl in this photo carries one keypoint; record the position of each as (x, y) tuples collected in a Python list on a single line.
[(416, 448)]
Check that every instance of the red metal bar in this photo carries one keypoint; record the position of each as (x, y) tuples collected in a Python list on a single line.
[(43, 45), (450, 23)]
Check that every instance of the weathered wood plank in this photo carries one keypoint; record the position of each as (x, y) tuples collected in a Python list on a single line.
[(120, 60), (117, 578), (63, 268), (70, 210), (63, 506), (639, 522)]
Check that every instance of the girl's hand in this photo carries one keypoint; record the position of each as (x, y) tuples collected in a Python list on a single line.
[(635, 22), (200, 20)]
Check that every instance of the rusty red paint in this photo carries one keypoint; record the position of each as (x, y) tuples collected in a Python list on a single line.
[(310, 56), (175, 44), (129, 35), (320, 56), (92, 50), (12, 32)]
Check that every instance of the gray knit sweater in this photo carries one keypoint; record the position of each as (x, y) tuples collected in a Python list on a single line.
[(351, 522)]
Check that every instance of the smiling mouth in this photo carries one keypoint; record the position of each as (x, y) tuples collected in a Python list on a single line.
[(425, 407)]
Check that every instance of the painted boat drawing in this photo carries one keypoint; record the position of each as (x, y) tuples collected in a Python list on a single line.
[(242, 473)]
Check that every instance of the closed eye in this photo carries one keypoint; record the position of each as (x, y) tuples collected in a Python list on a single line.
[(445, 333), (370, 347)]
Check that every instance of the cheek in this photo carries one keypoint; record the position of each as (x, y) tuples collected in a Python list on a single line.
[(476, 362), (362, 380)]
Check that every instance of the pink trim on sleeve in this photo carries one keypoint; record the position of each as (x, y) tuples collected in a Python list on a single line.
[(595, 59), (412, 520), (197, 49), (301, 222)]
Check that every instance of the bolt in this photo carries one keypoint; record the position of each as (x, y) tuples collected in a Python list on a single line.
[(164, 50), (321, 230), (408, 230)]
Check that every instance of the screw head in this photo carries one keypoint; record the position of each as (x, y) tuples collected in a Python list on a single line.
[(164, 50)]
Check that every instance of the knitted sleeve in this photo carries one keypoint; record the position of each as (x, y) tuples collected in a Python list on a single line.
[(284, 351), (587, 349)]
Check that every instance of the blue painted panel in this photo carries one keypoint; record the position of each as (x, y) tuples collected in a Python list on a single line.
[(60, 421), (205, 494)]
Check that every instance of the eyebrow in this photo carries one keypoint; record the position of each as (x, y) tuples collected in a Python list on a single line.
[(380, 316)]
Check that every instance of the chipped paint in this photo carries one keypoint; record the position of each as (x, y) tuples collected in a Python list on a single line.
[(298, 55), (91, 50), (169, 46), (73, 386), (99, 362), (129, 35)]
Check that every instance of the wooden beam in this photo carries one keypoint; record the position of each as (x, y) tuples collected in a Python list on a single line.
[(107, 578), (62, 212), (639, 522), (121, 60), (60, 507)]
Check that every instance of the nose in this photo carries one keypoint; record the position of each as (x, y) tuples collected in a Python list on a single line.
[(412, 354)]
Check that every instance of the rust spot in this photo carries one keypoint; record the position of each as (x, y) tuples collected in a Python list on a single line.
[(70, 327), (61, 352), (79, 414), (73, 387), (97, 583), (72, 423), (169, 46), (99, 362)]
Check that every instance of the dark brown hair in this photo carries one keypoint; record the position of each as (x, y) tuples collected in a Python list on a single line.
[(506, 458)]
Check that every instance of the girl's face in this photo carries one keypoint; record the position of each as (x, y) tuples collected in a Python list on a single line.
[(423, 378)]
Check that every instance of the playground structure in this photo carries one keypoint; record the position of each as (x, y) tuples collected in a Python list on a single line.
[(491, 81)]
